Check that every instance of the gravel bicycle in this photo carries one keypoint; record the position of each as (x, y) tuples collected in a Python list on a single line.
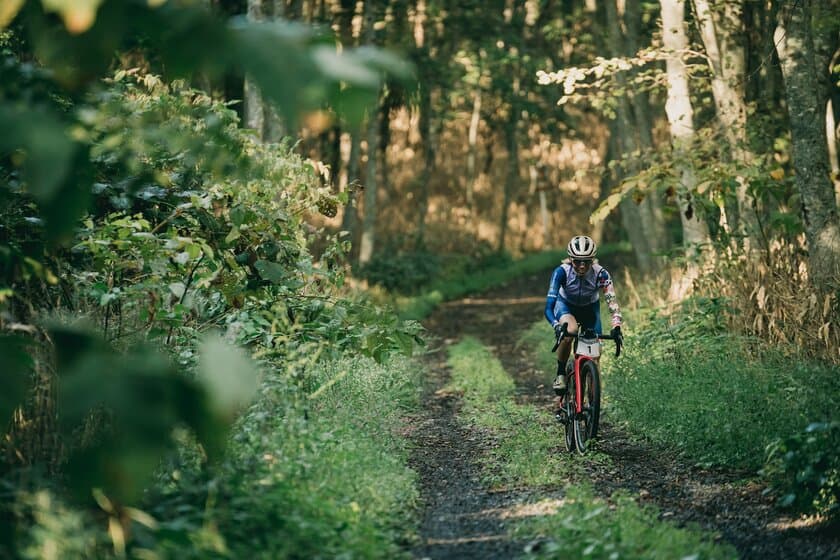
[(581, 408)]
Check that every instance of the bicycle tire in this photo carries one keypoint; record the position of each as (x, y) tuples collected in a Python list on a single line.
[(586, 423), (569, 405)]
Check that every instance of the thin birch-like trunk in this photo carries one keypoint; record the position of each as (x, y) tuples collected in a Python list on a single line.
[(681, 122), (512, 177), (722, 30), (349, 221), (428, 150), (254, 105), (366, 246), (831, 141), (472, 143)]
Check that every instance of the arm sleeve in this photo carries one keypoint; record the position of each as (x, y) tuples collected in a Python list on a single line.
[(606, 284), (557, 279)]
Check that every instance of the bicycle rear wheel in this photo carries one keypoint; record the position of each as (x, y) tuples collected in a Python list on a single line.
[(586, 423), (569, 406)]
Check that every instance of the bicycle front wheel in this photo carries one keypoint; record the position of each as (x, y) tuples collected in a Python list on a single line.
[(586, 422)]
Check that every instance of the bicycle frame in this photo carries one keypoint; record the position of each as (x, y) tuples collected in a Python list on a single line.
[(581, 420)]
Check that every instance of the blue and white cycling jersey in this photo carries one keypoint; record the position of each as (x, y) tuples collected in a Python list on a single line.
[(580, 291)]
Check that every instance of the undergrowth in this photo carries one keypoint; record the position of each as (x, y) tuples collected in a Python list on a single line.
[(317, 474), (464, 281)]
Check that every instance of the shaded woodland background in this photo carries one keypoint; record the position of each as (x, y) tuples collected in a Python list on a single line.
[(478, 153)]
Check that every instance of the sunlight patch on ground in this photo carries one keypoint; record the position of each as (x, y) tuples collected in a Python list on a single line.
[(548, 506), (799, 523), (465, 540)]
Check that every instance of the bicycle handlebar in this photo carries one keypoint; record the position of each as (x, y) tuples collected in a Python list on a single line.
[(619, 340)]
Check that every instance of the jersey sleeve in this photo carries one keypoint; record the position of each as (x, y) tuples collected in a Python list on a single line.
[(558, 278), (605, 283)]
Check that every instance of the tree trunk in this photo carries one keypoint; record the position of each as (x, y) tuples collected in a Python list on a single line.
[(254, 105), (512, 177), (349, 220), (681, 122), (631, 217), (831, 137), (722, 31), (651, 207), (795, 45), (366, 246), (426, 174), (472, 142)]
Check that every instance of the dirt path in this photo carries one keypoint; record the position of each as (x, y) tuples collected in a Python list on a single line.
[(465, 520)]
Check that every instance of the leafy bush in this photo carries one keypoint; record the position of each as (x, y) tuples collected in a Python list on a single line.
[(804, 469), (405, 273)]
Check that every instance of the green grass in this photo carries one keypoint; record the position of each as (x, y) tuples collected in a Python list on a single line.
[(316, 474), (718, 398), (339, 470), (530, 454), (529, 449), (587, 527)]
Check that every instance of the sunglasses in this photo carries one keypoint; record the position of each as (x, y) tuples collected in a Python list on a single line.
[(581, 262)]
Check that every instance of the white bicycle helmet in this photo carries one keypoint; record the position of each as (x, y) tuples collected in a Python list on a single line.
[(581, 247)]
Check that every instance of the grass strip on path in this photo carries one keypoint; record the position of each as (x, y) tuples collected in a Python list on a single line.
[(528, 453)]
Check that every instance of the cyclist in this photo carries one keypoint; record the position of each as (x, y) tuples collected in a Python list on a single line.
[(573, 299)]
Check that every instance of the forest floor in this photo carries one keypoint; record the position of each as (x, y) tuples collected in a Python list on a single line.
[(465, 519)]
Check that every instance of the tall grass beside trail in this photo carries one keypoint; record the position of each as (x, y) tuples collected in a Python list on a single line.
[(771, 298), (529, 453), (319, 473), (327, 476), (718, 397)]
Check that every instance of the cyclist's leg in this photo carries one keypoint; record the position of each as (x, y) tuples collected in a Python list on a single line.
[(566, 314), (561, 309), (565, 347)]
